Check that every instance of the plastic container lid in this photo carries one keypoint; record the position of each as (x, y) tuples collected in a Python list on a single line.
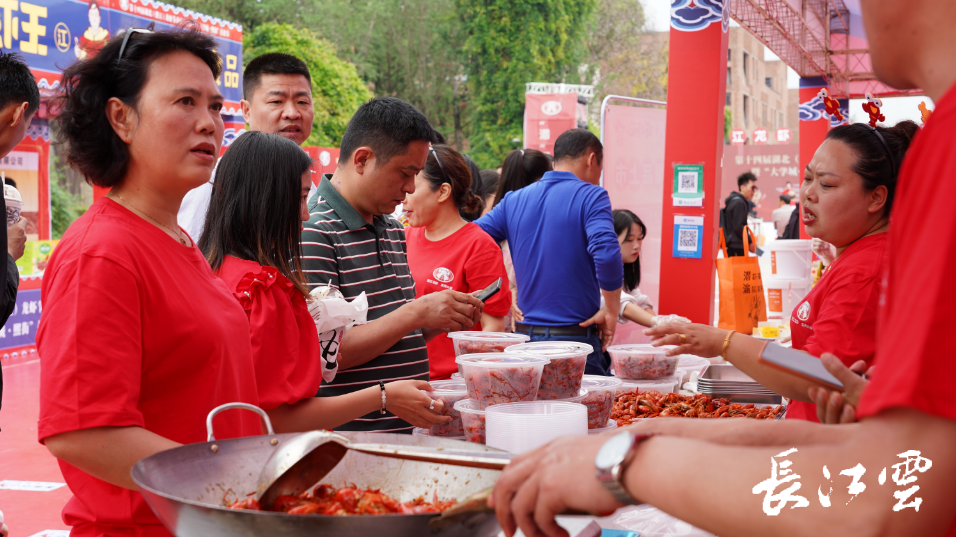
[(611, 425), (448, 387), (553, 349), (598, 382), (469, 406), (663, 385), (490, 336), (484, 342), (576, 399), (500, 360), (457, 376)]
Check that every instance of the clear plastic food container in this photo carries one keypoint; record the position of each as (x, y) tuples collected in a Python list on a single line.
[(484, 342), (641, 362), (472, 420), (418, 431), (579, 398), (457, 376), (663, 385), (562, 377), (600, 398), (610, 425), (448, 392), (691, 364), (496, 378)]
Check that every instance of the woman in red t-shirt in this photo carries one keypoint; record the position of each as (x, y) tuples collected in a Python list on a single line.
[(138, 339), (845, 199), (251, 239), (445, 252)]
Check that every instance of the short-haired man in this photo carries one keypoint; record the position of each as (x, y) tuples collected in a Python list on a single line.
[(353, 244), (19, 101), (565, 252), (736, 210), (277, 98), (781, 215)]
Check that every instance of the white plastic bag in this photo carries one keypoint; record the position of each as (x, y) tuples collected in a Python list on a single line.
[(334, 316)]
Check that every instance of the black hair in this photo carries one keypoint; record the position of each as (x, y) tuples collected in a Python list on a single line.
[(623, 219), (254, 209), (10, 181), (521, 168), (471, 216), (438, 138), (873, 163), (272, 63), (786, 199), (387, 125), (452, 169), (745, 178), (17, 84), (577, 143), (489, 183), (92, 146)]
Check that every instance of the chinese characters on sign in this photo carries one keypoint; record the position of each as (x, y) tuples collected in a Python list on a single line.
[(761, 136), (783, 135), (782, 474), (738, 137)]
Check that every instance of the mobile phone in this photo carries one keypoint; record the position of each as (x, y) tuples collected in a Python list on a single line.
[(489, 291), (800, 364)]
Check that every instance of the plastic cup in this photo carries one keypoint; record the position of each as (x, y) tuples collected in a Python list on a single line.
[(561, 378), (663, 385), (484, 342), (609, 426), (520, 427), (472, 420), (448, 392), (641, 362), (496, 378), (600, 398), (13, 202)]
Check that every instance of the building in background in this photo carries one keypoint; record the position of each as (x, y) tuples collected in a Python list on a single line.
[(757, 91)]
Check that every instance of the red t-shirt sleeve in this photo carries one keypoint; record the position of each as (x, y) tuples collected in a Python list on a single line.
[(844, 325), (481, 270), (91, 347)]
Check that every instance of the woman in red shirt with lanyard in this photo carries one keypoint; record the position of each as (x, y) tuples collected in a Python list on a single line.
[(252, 242), (845, 199), (445, 252), (138, 339)]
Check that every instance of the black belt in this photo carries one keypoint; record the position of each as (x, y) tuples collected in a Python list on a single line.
[(569, 330)]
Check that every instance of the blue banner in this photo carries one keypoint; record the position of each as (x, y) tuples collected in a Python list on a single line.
[(21, 327), (52, 34)]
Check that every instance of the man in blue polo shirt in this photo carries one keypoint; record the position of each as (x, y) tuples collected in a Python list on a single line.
[(564, 249)]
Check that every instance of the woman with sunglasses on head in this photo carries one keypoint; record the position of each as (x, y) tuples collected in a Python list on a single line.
[(252, 242), (845, 199), (445, 252), (139, 340)]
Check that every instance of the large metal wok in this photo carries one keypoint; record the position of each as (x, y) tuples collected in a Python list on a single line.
[(187, 487)]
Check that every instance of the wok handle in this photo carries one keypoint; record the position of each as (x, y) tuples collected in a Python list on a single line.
[(262, 414), (484, 460)]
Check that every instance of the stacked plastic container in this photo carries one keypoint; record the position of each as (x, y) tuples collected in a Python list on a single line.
[(494, 379), (448, 392), (645, 368), (484, 342), (520, 427), (561, 378), (600, 399)]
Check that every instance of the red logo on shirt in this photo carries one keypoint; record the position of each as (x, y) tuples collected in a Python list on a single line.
[(443, 275), (804, 312)]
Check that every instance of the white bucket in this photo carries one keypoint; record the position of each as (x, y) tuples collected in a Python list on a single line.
[(783, 295), (790, 259)]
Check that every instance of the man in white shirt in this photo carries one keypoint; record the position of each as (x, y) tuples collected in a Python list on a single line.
[(277, 98), (781, 215)]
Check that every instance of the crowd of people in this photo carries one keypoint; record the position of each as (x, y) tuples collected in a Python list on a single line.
[(188, 286)]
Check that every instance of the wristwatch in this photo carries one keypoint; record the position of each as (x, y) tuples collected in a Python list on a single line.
[(611, 461)]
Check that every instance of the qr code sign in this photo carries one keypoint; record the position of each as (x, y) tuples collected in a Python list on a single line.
[(687, 182), (687, 239)]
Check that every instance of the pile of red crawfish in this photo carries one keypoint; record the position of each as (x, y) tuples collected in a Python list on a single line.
[(346, 501), (630, 406)]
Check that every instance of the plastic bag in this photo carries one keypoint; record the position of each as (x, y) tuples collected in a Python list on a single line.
[(650, 520), (334, 316)]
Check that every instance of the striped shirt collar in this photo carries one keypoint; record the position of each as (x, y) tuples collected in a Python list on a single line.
[(350, 217)]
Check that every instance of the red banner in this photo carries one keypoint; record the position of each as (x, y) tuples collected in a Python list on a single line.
[(547, 116)]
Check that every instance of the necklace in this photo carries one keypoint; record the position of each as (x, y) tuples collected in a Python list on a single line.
[(178, 234)]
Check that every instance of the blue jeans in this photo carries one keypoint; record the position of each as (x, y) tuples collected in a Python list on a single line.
[(597, 363)]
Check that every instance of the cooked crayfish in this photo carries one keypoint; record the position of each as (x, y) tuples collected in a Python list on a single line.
[(327, 500), (630, 406)]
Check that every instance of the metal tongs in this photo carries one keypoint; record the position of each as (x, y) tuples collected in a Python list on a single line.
[(302, 461)]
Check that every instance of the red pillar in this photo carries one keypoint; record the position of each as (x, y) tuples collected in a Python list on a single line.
[(814, 124), (696, 94)]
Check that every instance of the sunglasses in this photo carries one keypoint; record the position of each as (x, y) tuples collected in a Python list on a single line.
[(440, 167), (129, 33)]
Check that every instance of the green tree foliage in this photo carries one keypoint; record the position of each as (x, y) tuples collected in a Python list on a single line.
[(728, 123), (510, 43), (64, 206), (337, 90)]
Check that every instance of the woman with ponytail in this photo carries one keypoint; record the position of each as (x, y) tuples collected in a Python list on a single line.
[(446, 252)]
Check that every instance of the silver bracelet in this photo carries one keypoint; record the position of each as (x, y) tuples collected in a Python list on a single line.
[(382, 386)]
